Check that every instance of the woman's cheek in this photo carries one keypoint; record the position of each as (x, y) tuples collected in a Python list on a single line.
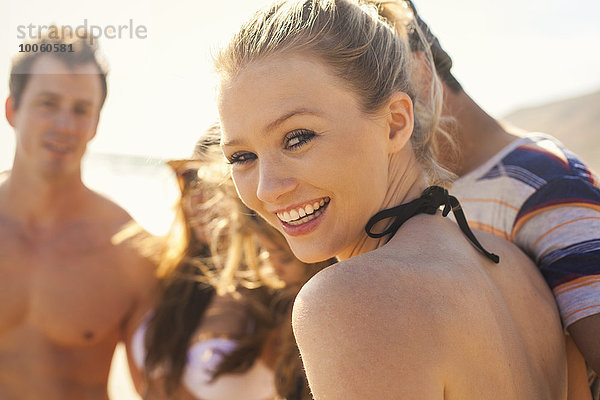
[(246, 189)]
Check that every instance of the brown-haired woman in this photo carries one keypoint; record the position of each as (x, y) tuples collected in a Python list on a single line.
[(222, 326)]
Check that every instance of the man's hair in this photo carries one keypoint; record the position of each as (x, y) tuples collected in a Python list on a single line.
[(441, 59), (72, 48)]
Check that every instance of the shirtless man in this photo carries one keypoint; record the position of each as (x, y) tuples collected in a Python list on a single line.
[(69, 290), (535, 193)]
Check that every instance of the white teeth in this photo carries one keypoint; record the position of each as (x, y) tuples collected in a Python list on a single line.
[(302, 214), (305, 219)]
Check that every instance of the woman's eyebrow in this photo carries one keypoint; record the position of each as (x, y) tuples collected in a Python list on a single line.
[(299, 111), (274, 124)]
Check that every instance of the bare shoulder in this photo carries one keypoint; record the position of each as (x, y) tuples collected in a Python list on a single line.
[(375, 327), (125, 233), (4, 175), (108, 210), (132, 247), (383, 284)]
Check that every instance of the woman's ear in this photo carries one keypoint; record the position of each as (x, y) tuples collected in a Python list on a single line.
[(400, 121)]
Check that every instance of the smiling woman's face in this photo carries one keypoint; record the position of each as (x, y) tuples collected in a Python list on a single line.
[(304, 154)]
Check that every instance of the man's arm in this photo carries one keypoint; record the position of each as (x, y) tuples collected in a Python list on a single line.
[(559, 226), (586, 335), (141, 273)]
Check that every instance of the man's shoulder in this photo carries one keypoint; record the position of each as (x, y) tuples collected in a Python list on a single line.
[(4, 175), (3, 179), (536, 159), (536, 168), (566, 180), (129, 241), (133, 249), (110, 211)]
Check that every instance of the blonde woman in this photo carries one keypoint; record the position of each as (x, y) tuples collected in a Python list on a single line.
[(330, 142)]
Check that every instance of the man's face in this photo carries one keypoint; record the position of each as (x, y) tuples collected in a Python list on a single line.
[(56, 118)]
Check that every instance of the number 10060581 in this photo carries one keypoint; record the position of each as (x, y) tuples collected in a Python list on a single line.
[(45, 48)]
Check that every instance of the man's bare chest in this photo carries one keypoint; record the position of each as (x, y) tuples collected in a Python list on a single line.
[(72, 288)]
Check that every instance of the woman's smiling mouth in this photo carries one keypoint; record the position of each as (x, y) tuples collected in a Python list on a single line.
[(303, 219), (300, 215)]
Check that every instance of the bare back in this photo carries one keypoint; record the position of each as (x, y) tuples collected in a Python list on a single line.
[(69, 294), (431, 318)]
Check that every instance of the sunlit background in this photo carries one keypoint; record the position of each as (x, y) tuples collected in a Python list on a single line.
[(507, 54)]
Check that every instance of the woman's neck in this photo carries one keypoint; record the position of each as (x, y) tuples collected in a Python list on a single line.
[(406, 182)]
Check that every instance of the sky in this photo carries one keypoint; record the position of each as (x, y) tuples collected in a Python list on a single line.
[(508, 54)]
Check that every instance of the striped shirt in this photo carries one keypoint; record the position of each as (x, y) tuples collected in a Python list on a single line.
[(540, 196)]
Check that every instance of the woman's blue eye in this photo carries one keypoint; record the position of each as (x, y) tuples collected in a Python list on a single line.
[(241, 157), (298, 138)]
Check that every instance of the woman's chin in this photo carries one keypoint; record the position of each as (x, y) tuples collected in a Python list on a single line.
[(310, 254)]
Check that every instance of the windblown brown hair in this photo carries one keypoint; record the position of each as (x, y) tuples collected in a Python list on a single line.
[(193, 272)]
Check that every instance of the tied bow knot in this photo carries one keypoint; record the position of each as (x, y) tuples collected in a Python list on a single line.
[(430, 201)]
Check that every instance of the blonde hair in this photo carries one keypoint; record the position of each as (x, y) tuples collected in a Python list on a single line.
[(366, 45)]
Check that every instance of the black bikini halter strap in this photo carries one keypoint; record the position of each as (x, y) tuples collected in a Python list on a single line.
[(430, 201)]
